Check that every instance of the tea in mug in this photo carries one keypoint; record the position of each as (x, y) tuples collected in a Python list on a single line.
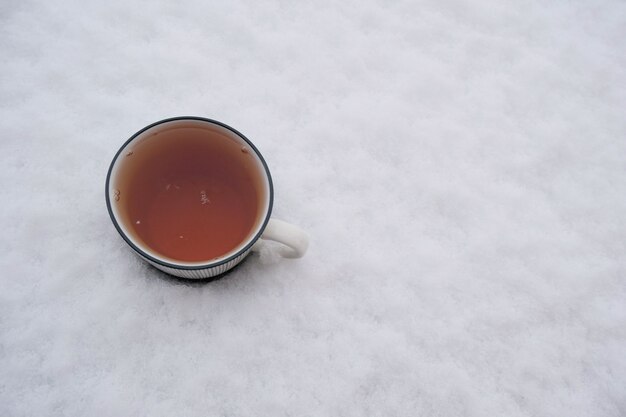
[(191, 195)]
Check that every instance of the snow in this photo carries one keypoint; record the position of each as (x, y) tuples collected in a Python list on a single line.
[(459, 167)]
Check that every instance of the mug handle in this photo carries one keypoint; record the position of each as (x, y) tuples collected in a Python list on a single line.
[(295, 239)]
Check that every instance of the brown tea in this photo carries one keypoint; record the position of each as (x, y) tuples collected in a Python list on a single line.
[(189, 193)]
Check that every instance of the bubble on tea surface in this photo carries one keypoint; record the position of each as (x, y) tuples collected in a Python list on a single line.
[(245, 149), (116, 194), (138, 222), (130, 153), (203, 197)]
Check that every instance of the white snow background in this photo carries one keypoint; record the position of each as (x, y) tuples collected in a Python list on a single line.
[(460, 168)]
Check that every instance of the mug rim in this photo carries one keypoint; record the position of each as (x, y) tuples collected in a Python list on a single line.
[(209, 264)]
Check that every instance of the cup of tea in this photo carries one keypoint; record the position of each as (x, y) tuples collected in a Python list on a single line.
[(193, 197)]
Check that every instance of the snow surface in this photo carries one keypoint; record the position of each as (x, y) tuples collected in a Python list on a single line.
[(461, 169)]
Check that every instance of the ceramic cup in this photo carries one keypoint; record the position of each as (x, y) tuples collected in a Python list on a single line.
[(295, 240)]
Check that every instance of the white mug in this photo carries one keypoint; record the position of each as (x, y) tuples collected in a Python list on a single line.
[(294, 239)]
